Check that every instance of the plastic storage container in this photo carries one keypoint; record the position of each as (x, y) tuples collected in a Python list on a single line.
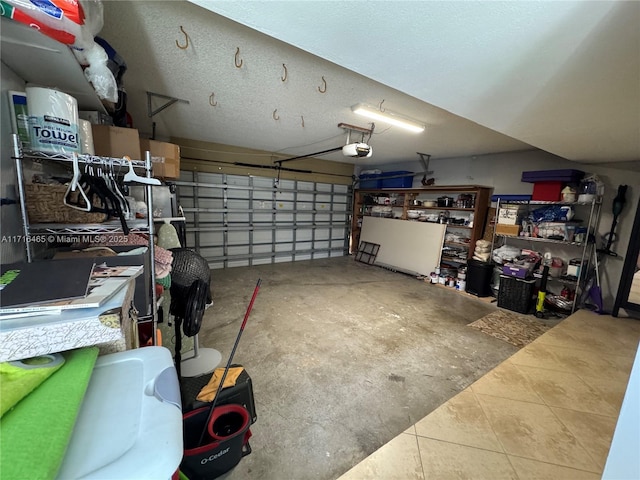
[(515, 294), (479, 278), (513, 198), (563, 176), (370, 181), (547, 191), (399, 182), (132, 408)]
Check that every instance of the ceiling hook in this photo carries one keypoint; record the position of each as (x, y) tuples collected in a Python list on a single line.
[(211, 100), (324, 86), (284, 76), (238, 65), (275, 115), (380, 106), (186, 38)]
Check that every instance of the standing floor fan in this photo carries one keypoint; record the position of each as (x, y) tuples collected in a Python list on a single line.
[(190, 296)]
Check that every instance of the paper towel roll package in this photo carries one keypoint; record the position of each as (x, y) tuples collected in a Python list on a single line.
[(86, 137), (53, 120)]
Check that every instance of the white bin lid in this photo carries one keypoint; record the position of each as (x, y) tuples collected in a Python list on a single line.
[(130, 422)]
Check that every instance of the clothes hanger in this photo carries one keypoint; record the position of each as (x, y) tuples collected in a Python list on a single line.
[(73, 185), (95, 191), (119, 187), (132, 176), (124, 205), (110, 200)]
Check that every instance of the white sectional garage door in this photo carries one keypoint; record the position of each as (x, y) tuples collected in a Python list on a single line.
[(236, 220)]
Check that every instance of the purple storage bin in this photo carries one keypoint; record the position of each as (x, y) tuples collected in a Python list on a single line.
[(565, 176), (518, 271)]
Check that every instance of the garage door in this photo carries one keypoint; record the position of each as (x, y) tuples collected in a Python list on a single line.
[(236, 220)]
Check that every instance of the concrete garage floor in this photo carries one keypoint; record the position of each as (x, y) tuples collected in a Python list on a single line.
[(343, 357)]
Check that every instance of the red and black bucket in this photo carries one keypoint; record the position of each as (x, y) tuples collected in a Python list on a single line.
[(225, 442)]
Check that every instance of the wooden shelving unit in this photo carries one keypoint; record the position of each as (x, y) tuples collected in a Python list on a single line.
[(401, 201)]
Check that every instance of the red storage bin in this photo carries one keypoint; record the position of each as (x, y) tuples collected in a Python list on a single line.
[(547, 191)]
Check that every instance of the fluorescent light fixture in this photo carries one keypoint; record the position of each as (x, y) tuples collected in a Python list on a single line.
[(388, 117)]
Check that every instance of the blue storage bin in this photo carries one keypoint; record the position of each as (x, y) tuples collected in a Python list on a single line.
[(370, 181), (399, 182), (510, 197), (566, 176)]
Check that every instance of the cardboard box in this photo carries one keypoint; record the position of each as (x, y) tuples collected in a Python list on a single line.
[(116, 142), (33, 336), (512, 230), (510, 214), (164, 156)]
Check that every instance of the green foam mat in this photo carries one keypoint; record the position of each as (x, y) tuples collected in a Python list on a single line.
[(19, 378), (35, 434)]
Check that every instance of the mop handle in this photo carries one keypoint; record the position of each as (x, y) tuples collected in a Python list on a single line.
[(246, 315), (233, 351)]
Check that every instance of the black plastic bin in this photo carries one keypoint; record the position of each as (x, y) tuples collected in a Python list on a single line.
[(516, 294), (479, 278)]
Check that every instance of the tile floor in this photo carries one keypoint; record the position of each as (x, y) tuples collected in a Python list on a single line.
[(548, 412)]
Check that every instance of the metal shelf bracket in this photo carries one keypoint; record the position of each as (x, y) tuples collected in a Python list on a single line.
[(170, 101)]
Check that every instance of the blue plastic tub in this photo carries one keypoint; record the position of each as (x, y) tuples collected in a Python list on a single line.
[(398, 182), (370, 181), (510, 197), (566, 175)]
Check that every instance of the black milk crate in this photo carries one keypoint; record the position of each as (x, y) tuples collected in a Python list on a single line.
[(516, 294)]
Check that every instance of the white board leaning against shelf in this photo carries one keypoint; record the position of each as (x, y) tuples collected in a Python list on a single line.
[(406, 246)]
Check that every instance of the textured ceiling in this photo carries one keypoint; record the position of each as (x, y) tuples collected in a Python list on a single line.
[(145, 34), (561, 76)]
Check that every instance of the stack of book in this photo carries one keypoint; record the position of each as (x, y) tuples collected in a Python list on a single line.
[(59, 305), (52, 286)]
